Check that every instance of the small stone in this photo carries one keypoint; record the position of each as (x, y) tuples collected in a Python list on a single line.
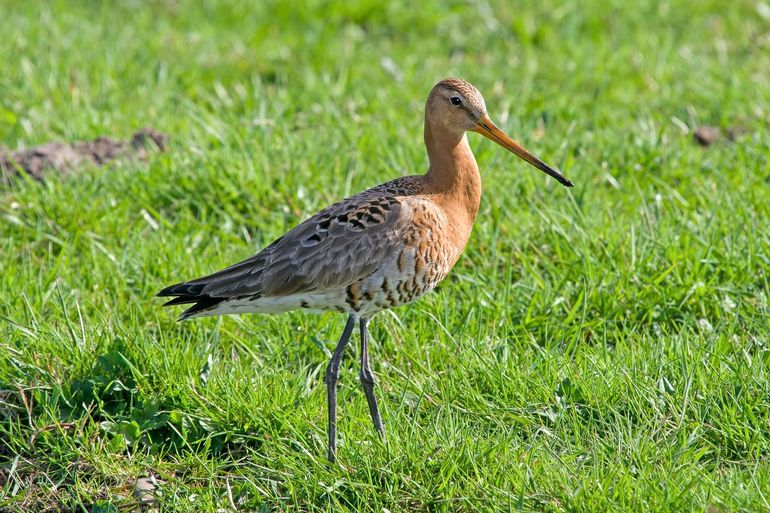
[(706, 135), (144, 489)]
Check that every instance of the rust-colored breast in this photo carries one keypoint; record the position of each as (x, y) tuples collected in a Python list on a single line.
[(424, 257)]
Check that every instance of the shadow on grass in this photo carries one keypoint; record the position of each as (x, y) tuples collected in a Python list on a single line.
[(130, 415)]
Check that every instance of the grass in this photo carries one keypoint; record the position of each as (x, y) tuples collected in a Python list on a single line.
[(603, 348)]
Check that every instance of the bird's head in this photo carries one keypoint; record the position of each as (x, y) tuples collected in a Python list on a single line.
[(456, 106)]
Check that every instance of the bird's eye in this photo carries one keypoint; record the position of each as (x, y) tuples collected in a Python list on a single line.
[(456, 100)]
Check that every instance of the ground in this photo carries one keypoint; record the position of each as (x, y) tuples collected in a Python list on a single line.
[(602, 348)]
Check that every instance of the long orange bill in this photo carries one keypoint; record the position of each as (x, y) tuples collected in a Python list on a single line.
[(488, 129)]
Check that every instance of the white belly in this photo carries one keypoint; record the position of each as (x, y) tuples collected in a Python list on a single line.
[(312, 301)]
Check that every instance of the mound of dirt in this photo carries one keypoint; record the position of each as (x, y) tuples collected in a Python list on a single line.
[(708, 135), (64, 158)]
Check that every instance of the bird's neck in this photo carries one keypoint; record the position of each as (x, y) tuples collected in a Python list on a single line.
[(453, 174)]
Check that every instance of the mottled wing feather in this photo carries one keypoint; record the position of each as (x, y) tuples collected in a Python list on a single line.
[(333, 249), (336, 247), (245, 275)]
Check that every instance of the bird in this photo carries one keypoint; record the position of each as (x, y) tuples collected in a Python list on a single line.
[(376, 250)]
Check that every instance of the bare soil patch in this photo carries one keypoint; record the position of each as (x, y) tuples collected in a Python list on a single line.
[(65, 158)]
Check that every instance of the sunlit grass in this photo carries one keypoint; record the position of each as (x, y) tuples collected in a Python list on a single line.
[(600, 348)]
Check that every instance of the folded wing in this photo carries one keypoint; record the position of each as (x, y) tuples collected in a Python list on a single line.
[(336, 247)]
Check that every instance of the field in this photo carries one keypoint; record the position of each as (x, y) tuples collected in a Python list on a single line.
[(602, 348)]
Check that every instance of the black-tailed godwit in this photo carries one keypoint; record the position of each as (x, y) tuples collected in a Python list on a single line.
[(379, 249)]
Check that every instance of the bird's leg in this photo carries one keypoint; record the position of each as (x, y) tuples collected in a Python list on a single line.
[(367, 379), (332, 375)]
